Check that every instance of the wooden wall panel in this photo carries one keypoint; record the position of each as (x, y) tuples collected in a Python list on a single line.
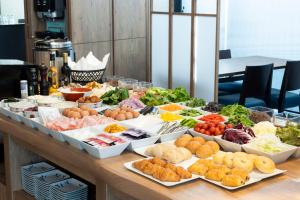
[(91, 21), (99, 49), (130, 58), (130, 19)]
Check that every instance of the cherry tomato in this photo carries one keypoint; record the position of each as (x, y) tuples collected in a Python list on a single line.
[(212, 130), (207, 133)]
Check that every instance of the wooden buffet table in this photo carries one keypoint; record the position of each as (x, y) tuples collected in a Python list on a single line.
[(113, 181)]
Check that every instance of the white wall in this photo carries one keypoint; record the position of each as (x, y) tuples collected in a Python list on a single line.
[(12, 7)]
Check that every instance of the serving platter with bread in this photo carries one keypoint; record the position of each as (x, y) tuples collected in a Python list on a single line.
[(204, 160)]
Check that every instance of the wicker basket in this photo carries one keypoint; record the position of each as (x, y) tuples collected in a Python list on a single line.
[(87, 76)]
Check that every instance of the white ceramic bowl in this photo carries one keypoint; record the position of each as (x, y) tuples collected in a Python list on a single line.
[(276, 157), (134, 144), (227, 145), (105, 152)]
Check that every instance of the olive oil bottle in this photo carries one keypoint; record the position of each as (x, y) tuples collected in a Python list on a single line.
[(53, 75)]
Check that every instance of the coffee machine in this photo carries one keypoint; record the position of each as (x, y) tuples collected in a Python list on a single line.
[(50, 9)]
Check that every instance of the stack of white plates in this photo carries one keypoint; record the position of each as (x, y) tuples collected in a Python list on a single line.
[(29, 171), (68, 189), (43, 181)]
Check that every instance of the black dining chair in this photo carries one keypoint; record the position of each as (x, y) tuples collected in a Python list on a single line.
[(225, 54), (256, 88), (230, 86), (284, 98)]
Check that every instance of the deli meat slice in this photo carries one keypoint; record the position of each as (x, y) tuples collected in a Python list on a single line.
[(65, 123)]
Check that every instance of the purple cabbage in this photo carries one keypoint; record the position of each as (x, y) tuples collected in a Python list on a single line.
[(239, 134), (133, 103)]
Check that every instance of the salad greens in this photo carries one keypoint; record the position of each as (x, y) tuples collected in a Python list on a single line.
[(289, 135), (195, 102), (190, 112), (234, 110), (158, 96), (237, 115), (240, 119), (113, 97)]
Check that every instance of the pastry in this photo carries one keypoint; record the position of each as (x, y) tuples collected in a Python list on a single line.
[(198, 169), (184, 152), (242, 162), (219, 157), (149, 169), (186, 136), (168, 175), (199, 139), (215, 147), (207, 163), (184, 174), (252, 157), (223, 168), (172, 155), (182, 141), (215, 174), (264, 164), (157, 150), (228, 160), (240, 154), (140, 165), (171, 166), (241, 173), (232, 181), (158, 161), (204, 151), (192, 146)]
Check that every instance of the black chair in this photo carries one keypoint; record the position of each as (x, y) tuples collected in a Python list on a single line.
[(256, 88), (225, 54), (283, 98), (231, 86)]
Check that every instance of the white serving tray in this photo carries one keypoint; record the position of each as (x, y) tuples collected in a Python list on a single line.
[(4, 111), (255, 177), (197, 134), (185, 165), (227, 145), (105, 152), (134, 144), (152, 124), (26, 121), (75, 137)]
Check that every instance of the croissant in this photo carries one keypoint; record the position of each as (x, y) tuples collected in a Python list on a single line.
[(232, 181), (158, 161), (241, 173), (184, 174), (169, 176), (198, 169), (148, 169), (140, 165), (215, 174), (171, 167)]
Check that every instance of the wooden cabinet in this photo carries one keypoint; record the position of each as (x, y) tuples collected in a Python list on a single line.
[(130, 58), (90, 21), (129, 19), (115, 26)]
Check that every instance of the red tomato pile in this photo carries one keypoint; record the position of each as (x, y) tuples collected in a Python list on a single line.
[(211, 128), (212, 118)]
